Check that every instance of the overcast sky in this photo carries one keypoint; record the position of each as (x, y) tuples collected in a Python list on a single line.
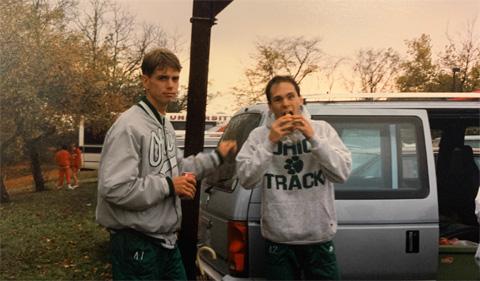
[(345, 26)]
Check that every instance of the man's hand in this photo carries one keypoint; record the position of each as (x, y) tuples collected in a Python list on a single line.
[(226, 147), (281, 127), (185, 186), (301, 124)]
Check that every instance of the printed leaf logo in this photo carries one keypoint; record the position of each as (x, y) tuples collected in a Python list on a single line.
[(294, 165)]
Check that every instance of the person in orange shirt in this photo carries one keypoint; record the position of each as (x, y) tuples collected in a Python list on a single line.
[(76, 163), (62, 158)]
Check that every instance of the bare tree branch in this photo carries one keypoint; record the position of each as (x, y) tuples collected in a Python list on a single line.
[(294, 56)]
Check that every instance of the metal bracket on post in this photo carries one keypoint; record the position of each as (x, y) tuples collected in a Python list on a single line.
[(202, 19)]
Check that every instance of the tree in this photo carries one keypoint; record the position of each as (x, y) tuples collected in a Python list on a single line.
[(463, 52), (294, 56), (376, 69), (92, 28), (103, 55), (4, 160), (53, 74), (331, 67), (419, 73), (115, 53), (8, 133), (39, 78)]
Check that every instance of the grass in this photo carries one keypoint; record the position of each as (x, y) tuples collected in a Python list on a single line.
[(53, 235)]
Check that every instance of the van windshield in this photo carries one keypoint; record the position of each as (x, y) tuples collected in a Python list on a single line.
[(237, 129)]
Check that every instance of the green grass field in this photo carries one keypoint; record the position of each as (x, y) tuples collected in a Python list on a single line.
[(53, 235)]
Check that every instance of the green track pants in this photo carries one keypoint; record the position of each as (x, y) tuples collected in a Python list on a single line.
[(294, 262), (138, 257)]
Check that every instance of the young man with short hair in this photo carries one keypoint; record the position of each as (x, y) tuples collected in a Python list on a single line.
[(140, 182), (295, 160)]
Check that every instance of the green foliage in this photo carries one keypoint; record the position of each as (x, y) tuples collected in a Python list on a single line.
[(420, 72), (52, 235), (39, 80)]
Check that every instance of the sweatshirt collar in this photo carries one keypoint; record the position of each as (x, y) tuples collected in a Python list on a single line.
[(148, 107)]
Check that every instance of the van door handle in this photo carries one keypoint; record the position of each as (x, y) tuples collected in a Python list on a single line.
[(412, 241), (235, 183), (208, 190), (209, 224)]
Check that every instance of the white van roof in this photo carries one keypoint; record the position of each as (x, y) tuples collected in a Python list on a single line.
[(450, 96)]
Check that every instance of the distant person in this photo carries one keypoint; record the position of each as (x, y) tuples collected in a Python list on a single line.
[(76, 156), (140, 179), (295, 160), (62, 158)]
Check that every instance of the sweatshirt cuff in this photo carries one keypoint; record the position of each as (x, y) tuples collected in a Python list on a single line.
[(218, 157), (315, 141), (171, 188)]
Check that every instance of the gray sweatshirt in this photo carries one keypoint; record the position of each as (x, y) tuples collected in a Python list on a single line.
[(297, 181), (139, 159)]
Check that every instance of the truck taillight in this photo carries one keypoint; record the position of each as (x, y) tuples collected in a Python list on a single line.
[(237, 247)]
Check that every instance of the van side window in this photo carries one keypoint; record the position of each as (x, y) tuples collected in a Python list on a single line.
[(182, 125), (388, 157), (237, 129), (472, 139)]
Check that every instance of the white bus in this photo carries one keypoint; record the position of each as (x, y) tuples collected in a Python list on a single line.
[(90, 140), (179, 121)]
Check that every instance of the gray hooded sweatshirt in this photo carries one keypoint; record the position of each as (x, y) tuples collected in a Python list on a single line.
[(139, 159), (297, 181)]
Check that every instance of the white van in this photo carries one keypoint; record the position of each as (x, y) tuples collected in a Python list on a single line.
[(389, 218)]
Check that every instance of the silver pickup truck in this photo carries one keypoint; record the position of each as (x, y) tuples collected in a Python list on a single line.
[(402, 196)]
